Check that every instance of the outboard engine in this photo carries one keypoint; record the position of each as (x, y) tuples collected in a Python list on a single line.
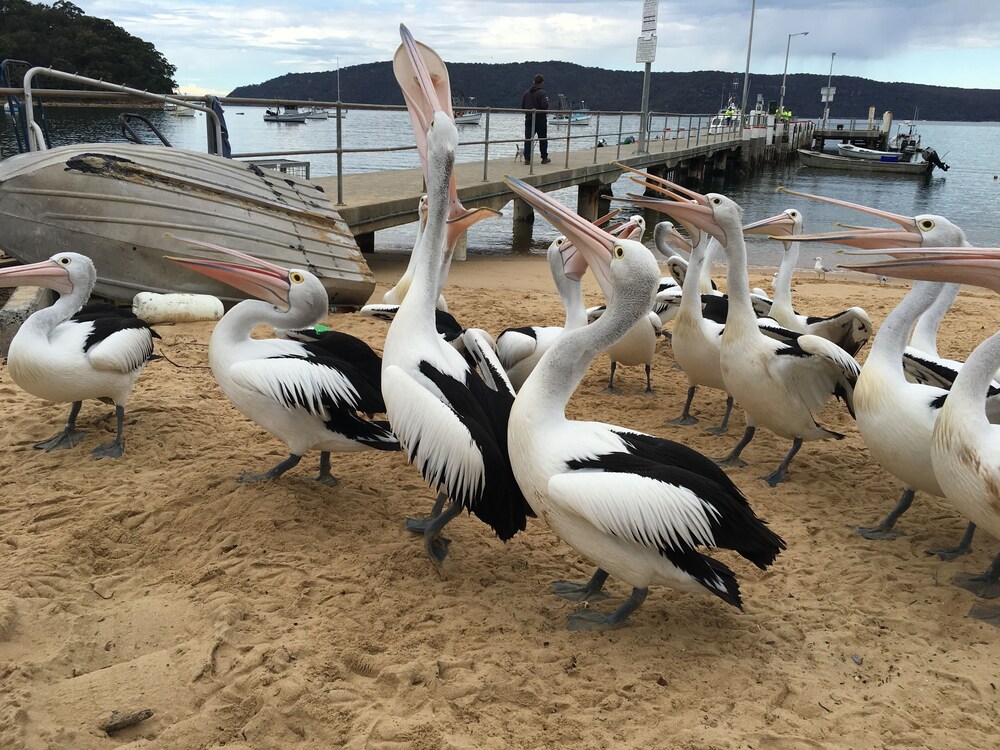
[(931, 155)]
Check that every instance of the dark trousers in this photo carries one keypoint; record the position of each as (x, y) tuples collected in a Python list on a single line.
[(541, 130)]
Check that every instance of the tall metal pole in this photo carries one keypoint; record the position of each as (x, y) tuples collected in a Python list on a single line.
[(643, 135), (826, 108), (338, 79), (784, 74), (746, 76)]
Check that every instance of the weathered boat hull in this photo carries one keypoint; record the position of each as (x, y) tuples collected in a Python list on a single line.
[(116, 203), (862, 166)]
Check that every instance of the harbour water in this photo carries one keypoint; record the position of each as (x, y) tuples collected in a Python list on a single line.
[(968, 194)]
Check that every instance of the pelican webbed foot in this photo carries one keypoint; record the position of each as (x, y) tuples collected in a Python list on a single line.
[(685, 418), (723, 427), (964, 546), (273, 473), (986, 585), (69, 437), (418, 525), (988, 613), (591, 619), (885, 530), (116, 448), (591, 591), (733, 460), (436, 545), (325, 475), (777, 476)]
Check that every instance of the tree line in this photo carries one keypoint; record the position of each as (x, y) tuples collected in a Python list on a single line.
[(62, 36), (699, 92)]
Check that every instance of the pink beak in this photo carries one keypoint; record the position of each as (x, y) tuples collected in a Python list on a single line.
[(47, 274), (863, 237), (976, 266), (259, 278)]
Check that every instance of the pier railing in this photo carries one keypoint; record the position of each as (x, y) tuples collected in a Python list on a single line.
[(659, 132)]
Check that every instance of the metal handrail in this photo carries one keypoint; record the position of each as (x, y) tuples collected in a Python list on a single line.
[(37, 143), (696, 129)]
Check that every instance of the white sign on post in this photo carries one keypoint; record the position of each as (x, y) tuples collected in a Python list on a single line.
[(645, 49), (826, 93), (649, 10)]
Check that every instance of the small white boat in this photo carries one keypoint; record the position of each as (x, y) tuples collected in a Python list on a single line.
[(286, 114), (871, 154), (317, 113), (573, 117), (465, 111)]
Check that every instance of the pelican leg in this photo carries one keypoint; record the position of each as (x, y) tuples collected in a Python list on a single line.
[(733, 459), (116, 448), (69, 436), (582, 592), (953, 553), (685, 417), (272, 473), (611, 380), (325, 475), (723, 428), (986, 585), (649, 384), (885, 529), (436, 545), (777, 476), (419, 525), (590, 619)]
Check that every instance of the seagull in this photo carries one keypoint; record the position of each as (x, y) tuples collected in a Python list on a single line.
[(68, 352), (820, 269), (317, 394), (636, 505), (777, 383)]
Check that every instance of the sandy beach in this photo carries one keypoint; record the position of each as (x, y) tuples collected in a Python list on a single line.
[(290, 614)]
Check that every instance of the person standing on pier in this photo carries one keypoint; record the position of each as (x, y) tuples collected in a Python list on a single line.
[(536, 99)]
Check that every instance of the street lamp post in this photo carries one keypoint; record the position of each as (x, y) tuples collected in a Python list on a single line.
[(781, 99)]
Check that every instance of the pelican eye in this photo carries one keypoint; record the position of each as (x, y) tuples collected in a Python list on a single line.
[(619, 251), (296, 277), (65, 261), (926, 224), (716, 201), (560, 241)]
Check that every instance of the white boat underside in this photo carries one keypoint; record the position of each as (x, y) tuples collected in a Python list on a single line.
[(116, 202)]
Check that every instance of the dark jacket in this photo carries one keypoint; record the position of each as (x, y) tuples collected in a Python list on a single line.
[(535, 98)]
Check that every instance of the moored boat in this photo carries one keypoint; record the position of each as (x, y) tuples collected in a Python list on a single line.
[(286, 114), (570, 116), (863, 166)]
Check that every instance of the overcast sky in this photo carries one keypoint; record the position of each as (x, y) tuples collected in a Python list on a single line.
[(220, 44)]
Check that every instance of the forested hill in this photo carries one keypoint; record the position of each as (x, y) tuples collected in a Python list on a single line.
[(62, 36), (501, 85)]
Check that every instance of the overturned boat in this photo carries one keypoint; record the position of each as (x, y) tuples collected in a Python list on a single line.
[(116, 203), (125, 204)]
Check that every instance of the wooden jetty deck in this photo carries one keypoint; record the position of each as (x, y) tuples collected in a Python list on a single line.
[(379, 200)]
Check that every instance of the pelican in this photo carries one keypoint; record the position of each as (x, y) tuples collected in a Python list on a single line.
[(777, 383), (849, 329), (636, 505), (309, 395), (964, 445), (921, 361), (66, 352), (519, 349), (395, 295), (452, 423), (638, 345)]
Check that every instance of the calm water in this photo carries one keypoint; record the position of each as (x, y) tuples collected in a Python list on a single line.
[(968, 194)]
